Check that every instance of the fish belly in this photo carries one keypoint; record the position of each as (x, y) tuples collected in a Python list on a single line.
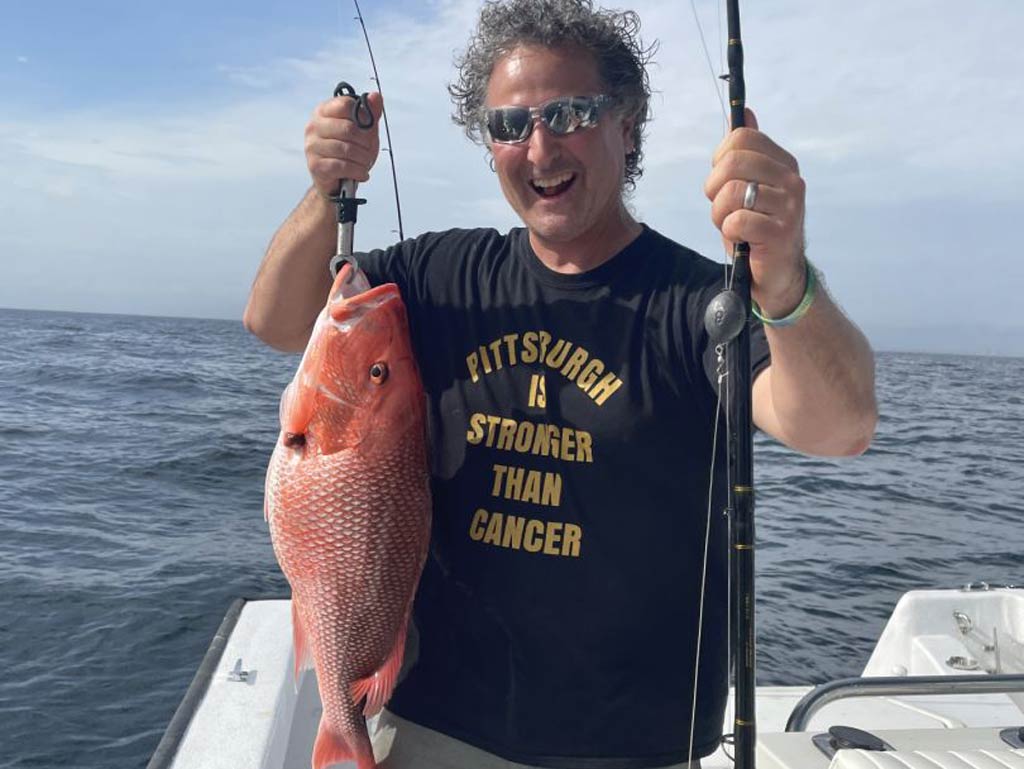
[(351, 534)]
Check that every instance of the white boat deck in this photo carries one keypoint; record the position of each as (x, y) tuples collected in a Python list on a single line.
[(279, 723)]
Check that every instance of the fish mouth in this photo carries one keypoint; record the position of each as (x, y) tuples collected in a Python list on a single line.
[(349, 310)]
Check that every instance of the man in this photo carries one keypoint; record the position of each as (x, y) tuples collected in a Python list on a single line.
[(572, 401)]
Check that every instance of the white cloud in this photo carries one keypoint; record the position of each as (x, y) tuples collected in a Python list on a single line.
[(888, 107)]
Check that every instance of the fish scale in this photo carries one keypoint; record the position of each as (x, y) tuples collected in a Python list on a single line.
[(349, 509)]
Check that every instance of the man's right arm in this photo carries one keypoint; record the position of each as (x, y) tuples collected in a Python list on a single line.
[(292, 282)]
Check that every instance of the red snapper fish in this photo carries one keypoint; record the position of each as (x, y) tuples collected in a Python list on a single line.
[(348, 503)]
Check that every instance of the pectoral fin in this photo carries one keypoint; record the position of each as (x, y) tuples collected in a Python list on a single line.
[(303, 654), (377, 688)]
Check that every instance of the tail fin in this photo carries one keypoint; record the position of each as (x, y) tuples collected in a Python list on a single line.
[(331, 748)]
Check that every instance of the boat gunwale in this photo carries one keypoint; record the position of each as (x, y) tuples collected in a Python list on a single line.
[(166, 750)]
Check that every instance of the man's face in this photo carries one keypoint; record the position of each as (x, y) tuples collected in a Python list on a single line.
[(590, 160)]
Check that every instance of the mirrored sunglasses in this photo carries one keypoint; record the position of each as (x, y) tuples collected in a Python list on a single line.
[(512, 125)]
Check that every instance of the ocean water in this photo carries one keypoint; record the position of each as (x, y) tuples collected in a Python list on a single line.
[(131, 472)]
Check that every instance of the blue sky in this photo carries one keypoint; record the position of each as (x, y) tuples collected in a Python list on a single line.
[(151, 149)]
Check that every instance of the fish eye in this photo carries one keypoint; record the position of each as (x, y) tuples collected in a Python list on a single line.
[(379, 372)]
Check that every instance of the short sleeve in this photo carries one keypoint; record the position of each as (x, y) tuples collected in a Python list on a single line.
[(388, 265)]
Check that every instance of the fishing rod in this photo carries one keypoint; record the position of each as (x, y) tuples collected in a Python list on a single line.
[(384, 114), (727, 324), (345, 201)]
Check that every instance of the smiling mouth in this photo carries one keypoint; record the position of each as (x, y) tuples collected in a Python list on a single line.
[(553, 186)]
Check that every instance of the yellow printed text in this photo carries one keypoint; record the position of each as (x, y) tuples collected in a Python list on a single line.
[(522, 485), (542, 440), (529, 534), (573, 362)]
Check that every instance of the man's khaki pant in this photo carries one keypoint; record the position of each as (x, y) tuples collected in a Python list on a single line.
[(400, 744)]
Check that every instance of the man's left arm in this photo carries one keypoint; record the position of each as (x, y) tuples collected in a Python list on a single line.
[(818, 394)]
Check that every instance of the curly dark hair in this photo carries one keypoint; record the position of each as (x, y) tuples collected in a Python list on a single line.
[(612, 37)]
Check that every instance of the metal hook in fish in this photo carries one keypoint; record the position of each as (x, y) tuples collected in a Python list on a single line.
[(340, 260)]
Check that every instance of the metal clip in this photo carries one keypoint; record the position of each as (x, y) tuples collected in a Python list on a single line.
[(239, 675), (361, 112), (963, 622), (340, 260)]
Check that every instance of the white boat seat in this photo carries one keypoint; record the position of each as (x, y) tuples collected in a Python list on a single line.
[(928, 759)]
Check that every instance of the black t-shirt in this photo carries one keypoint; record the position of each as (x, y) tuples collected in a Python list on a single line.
[(571, 421)]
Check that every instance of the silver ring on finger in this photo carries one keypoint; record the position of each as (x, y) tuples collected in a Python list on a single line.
[(750, 196)]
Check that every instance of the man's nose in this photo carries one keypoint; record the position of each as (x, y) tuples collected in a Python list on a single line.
[(542, 144)]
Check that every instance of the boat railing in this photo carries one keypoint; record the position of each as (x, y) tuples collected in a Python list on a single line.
[(892, 686)]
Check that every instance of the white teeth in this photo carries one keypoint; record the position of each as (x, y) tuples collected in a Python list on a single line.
[(553, 181)]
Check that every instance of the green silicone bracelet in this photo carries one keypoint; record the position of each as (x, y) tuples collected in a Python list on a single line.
[(810, 290)]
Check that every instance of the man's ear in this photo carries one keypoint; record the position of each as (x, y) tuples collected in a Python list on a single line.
[(627, 134)]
